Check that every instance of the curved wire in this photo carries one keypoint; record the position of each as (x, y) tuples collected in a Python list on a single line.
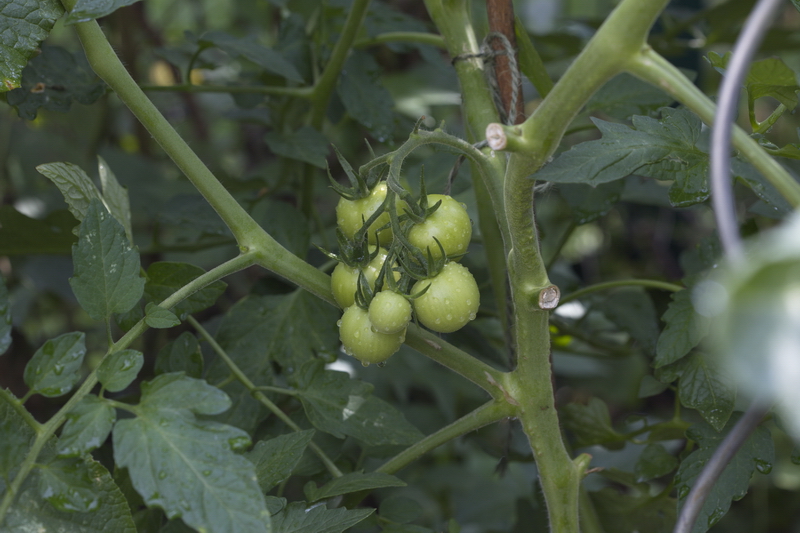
[(721, 189), (725, 214)]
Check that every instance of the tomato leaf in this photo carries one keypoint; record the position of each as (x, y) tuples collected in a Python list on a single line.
[(341, 406), (88, 425), (285, 223), (767, 77), (276, 458), (5, 316), (703, 387), (625, 96), (248, 48), (119, 369), (24, 24), (158, 317), (684, 329), (306, 144), (400, 509), (85, 10), (181, 355), (52, 80), (296, 518), (66, 484), (55, 367), (76, 186), (633, 311), (757, 453), (352, 482), (364, 98), (16, 437), (106, 278), (654, 462), (629, 513), (115, 197), (164, 278), (185, 465), (673, 148), (590, 203), (591, 424)]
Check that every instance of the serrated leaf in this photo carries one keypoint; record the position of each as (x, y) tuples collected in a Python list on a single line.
[(251, 50), (260, 331), (276, 458), (55, 367), (52, 80), (633, 311), (673, 148), (119, 369), (650, 386), (24, 24), (634, 512), (341, 406), (757, 453), (705, 388), (181, 355), (626, 95), (31, 512), (590, 203), (363, 96), (76, 186), (767, 77), (185, 465), (23, 235), (164, 278), (106, 277), (16, 437), (87, 427), (352, 482), (66, 484), (93, 9), (591, 424), (158, 317), (684, 329), (306, 144), (285, 223), (765, 190), (296, 518), (5, 317), (654, 462), (115, 197), (128, 319), (400, 509)]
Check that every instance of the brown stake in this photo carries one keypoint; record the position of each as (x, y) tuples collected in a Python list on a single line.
[(501, 20)]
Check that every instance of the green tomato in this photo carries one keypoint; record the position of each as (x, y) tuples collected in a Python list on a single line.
[(389, 312), (452, 299), (449, 224), (349, 215), (360, 341), (344, 279)]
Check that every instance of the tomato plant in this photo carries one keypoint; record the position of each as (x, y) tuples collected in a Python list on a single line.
[(608, 332)]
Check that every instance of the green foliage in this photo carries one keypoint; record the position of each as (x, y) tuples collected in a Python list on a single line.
[(231, 406), (23, 26)]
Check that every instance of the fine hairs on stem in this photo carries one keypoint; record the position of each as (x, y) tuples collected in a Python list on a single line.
[(725, 213)]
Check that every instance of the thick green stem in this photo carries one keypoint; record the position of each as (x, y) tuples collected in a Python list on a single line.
[(258, 395), (272, 90), (651, 67)]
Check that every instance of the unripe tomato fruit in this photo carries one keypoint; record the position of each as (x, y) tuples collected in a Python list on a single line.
[(450, 224), (360, 341), (389, 312), (349, 215), (344, 279), (451, 300)]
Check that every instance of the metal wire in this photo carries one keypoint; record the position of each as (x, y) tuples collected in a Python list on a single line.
[(721, 190), (728, 227)]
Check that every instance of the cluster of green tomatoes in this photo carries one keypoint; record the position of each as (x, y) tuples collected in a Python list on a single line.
[(398, 259)]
